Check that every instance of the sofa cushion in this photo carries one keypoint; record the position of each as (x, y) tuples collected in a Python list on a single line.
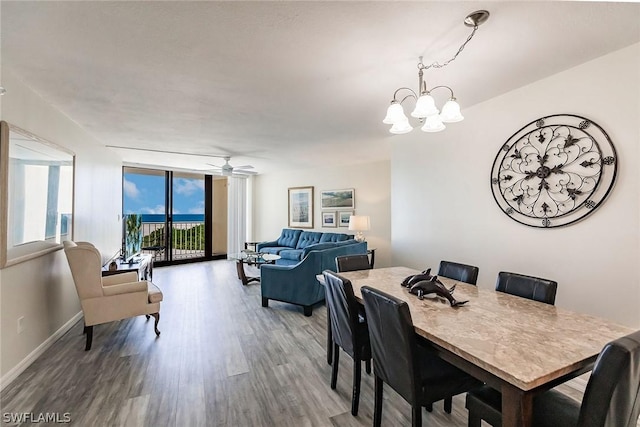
[(289, 238), (346, 242), (334, 237), (275, 250), (293, 254), (308, 238)]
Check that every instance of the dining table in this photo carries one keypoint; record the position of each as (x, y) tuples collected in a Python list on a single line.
[(515, 345)]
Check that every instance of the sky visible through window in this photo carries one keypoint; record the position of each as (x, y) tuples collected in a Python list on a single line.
[(144, 194)]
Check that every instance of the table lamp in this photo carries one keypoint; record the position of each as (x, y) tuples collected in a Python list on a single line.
[(359, 223)]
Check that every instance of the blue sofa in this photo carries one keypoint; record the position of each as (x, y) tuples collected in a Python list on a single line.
[(294, 245), (296, 283)]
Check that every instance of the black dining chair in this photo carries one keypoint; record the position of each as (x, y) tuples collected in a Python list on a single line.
[(349, 331), (484, 401), (462, 272), (352, 263), (345, 263), (413, 370), (611, 399), (530, 287)]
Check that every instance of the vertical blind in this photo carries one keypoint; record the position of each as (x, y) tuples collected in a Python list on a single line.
[(237, 214)]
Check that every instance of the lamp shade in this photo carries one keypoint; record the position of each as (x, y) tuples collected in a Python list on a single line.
[(433, 124), (395, 114), (425, 107), (401, 127), (451, 112), (359, 223)]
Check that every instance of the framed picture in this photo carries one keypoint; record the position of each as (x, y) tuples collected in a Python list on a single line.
[(301, 207), (328, 219), (343, 218), (338, 199)]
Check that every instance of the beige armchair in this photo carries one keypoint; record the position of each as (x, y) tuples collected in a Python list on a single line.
[(110, 298)]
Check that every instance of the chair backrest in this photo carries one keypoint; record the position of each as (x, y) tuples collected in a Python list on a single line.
[(352, 263), (462, 272), (393, 341), (86, 268), (530, 287), (343, 309), (612, 396)]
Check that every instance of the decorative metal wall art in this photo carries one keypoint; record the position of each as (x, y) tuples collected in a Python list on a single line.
[(554, 171)]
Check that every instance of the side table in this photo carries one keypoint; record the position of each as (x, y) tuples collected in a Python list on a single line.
[(251, 258)]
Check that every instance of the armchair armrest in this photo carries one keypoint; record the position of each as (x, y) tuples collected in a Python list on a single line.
[(125, 288), (117, 279)]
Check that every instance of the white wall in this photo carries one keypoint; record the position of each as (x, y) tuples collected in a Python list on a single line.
[(443, 208), (372, 192), (42, 289)]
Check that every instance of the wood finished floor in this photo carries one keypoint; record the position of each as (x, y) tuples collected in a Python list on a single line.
[(221, 360)]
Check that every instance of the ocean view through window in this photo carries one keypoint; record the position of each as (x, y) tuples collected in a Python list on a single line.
[(169, 208)]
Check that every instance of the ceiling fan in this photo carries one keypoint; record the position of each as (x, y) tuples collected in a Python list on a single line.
[(228, 170)]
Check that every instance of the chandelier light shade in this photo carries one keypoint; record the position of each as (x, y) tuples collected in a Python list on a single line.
[(425, 109)]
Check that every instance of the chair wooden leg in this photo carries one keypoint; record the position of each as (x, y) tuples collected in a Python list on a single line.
[(355, 397), (448, 402), (84, 330), (89, 331), (155, 325), (429, 407), (367, 366), (329, 337), (416, 415), (336, 362), (377, 406)]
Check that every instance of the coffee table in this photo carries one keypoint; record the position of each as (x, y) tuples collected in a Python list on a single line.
[(251, 258)]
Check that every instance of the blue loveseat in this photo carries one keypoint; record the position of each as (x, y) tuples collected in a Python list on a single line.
[(294, 281), (294, 245)]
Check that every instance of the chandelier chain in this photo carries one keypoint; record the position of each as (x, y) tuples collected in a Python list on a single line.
[(436, 64)]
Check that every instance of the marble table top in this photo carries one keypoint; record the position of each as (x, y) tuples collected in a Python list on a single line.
[(523, 342)]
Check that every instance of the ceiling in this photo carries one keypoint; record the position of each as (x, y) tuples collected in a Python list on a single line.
[(283, 85)]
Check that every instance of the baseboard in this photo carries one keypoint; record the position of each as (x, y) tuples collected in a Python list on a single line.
[(27, 361)]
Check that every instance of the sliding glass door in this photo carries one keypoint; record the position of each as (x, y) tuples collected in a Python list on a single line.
[(170, 215)]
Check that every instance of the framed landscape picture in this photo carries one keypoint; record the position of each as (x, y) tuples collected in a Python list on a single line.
[(328, 219), (338, 199), (301, 207), (343, 218)]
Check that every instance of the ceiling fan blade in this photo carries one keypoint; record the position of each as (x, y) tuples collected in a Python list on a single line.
[(243, 167), (215, 166), (243, 172)]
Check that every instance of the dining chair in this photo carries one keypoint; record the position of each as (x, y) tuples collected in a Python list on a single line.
[(352, 263), (611, 399), (345, 263), (414, 371), (349, 331), (530, 287), (462, 272)]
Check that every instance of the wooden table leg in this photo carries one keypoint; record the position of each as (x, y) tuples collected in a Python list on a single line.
[(517, 407), (242, 275)]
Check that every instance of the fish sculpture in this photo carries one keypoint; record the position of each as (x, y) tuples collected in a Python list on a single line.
[(424, 283)]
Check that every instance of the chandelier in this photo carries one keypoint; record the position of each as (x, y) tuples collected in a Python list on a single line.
[(425, 109)]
